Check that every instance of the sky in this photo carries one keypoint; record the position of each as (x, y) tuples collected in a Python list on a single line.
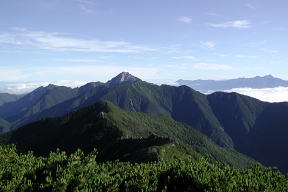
[(160, 41)]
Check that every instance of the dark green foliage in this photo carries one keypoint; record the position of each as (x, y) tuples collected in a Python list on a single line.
[(80, 172), (181, 103), (120, 134)]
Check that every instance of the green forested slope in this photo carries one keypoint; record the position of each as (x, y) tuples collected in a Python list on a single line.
[(109, 128)]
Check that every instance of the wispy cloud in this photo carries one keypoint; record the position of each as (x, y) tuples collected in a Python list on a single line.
[(60, 42), (212, 66), (85, 6), (247, 56), (89, 7), (81, 60), (221, 55), (271, 51), (249, 5), (189, 57), (258, 43), (241, 24), (185, 19), (11, 74), (212, 14), (208, 44)]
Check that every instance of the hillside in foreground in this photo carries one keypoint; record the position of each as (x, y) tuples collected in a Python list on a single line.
[(79, 172)]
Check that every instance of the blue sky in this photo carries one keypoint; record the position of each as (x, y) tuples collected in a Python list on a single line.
[(157, 40)]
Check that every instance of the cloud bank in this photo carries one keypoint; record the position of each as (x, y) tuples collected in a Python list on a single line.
[(278, 94), (22, 88)]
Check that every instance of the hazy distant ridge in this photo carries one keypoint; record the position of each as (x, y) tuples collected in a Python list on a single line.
[(257, 82)]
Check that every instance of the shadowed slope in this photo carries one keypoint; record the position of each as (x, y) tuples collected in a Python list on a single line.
[(120, 134)]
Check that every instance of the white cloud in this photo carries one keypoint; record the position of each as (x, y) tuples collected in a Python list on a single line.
[(189, 57), (185, 19), (212, 14), (212, 66), (208, 44), (22, 88), (270, 51), (221, 55), (278, 94), (89, 7), (258, 43), (11, 74), (242, 24), (247, 56), (80, 60), (86, 6), (59, 42), (249, 5)]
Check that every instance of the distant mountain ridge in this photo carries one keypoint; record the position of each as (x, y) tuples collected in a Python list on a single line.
[(257, 82), (231, 120), (6, 97), (36, 104)]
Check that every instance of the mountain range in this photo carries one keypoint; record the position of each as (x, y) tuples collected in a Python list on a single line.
[(233, 121), (258, 82), (120, 134)]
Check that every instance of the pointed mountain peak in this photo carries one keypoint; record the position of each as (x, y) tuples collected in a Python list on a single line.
[(51, 86), (123, 77), (269, 76)]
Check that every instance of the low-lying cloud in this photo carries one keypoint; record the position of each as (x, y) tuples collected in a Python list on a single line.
[(22, 88), (278, 94)]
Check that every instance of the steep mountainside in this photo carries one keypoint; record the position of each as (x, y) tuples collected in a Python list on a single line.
[(267, 81), (181, 103), (20, 111), (120, 134), (4, 126), (257, 129)]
